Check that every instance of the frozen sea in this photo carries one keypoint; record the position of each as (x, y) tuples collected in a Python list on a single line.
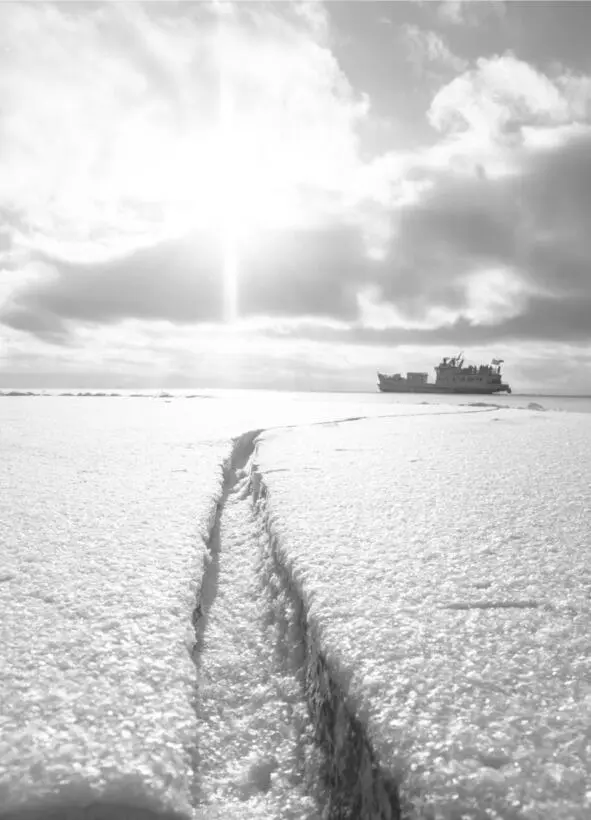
[(252, 604), (231, 404)]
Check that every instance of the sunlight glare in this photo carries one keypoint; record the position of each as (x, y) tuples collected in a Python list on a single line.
[(228, 199), (235, 176), (230, 278)]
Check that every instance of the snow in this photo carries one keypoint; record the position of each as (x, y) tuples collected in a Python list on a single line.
[(443, 565), (103, 521), (194, 625), (106, 506)]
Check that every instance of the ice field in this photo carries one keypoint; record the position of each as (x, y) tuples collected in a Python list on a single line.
[(443, 566), (268, 611)]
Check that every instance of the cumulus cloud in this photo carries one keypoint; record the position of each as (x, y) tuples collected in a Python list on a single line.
[(497, 239), (429, 53), (468, 12), (472, 257), (497, 97), (111, 121)]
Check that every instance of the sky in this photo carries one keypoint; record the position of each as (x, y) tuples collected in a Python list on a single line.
[(293, 195)]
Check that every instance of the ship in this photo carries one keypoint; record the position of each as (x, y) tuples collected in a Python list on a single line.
[(451, 377)]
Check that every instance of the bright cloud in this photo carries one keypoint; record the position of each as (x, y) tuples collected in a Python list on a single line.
[(428, 49), (498, 96), (113, 118), (468, 12)]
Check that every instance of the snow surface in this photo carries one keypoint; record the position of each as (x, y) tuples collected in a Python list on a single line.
[(444, 564), (103, 518), (415, 543), (105, 508)]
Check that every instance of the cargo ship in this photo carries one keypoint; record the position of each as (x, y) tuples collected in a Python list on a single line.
[(451, 377)]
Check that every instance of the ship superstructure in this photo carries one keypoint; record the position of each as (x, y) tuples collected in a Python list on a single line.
[(451, 377)]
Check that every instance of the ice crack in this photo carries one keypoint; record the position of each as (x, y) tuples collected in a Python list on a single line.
[(255, 745)]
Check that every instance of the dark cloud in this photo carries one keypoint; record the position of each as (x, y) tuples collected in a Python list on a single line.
[(11, 224), (545, 319), (305, 273), (5, 240), (176, 280), (458, 228), (536, 224), (558, 195), (40, 323), (291, 273)]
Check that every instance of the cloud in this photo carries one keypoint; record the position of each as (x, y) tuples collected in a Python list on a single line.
[(473, 257), (111, 117), (68, 90), (504, 210), (11, 230), (119, 187), (497, 97), (156, 354), (177, 280), (287, 273), (546, 320), (468, 12), (451, 11), (525, 237), (311, 273), (5, 240), (429, 53)]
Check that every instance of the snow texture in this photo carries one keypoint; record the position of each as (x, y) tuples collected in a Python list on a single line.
[(104, 518), (420, 580), (106, 510), (442, 567)]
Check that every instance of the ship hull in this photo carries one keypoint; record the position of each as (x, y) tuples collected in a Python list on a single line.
[(484, 390)]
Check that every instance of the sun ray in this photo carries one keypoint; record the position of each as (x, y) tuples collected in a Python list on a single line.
[(228, 193), (230, 278)]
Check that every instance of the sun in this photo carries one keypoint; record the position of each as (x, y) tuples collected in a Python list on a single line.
[(234, 175), (243, 190), (228, 180)]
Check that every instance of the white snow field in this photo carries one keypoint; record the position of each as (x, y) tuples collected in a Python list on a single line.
[(107, 507), (309, 622), (104, 516), (443, 567)]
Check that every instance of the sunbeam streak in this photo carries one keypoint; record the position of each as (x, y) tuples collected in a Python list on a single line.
[(230, 277), (229, 194)]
